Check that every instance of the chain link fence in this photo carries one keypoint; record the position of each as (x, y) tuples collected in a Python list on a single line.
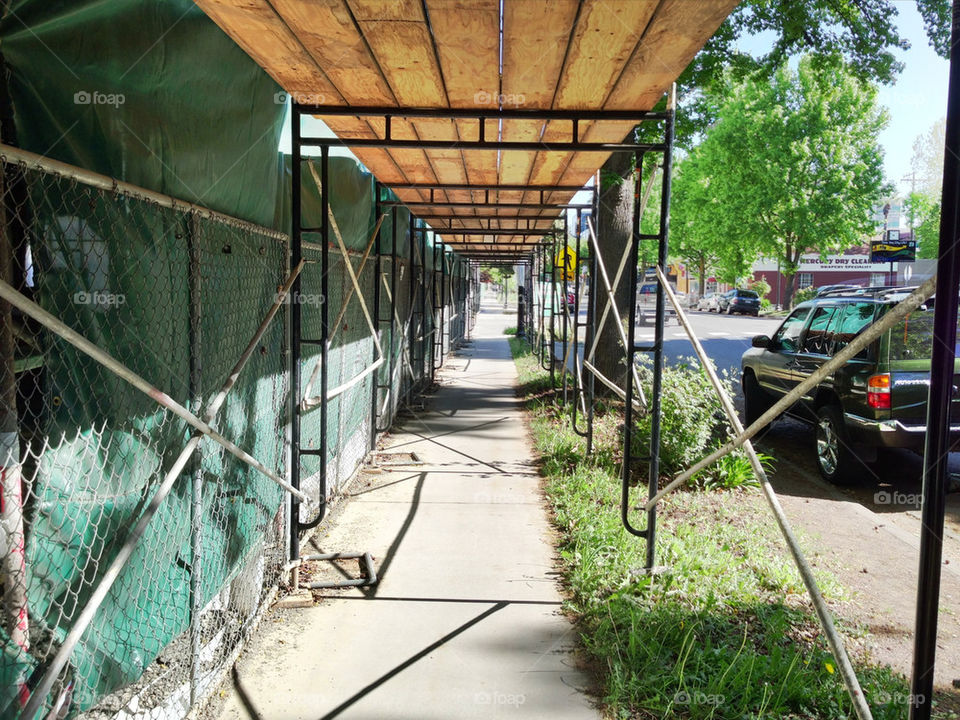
[(175, 294)]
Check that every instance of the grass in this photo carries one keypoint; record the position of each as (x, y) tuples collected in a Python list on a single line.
[(512, 330), (727, 631)]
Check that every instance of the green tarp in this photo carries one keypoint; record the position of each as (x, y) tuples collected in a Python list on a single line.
[(150, 92), (154, 93)]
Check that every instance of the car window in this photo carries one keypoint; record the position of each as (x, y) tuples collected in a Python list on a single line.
[(817, 341), (788, 336), (849, 320), (912, 337), (747, 294)]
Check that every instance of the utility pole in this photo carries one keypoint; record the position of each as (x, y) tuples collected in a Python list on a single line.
[(912, 177)]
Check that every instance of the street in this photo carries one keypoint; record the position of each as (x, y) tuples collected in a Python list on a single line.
[(724, 337)]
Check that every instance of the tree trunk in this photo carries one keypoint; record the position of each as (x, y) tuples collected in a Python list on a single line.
[(788, 290), (703, 276), (789, 268), (614, 229)]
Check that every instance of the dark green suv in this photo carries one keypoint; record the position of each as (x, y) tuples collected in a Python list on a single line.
[(878, 399)]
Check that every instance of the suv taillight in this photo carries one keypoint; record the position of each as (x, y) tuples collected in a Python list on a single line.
[(878, 391)]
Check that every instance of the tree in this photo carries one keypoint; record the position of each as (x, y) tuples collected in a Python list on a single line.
[(697, 222), (615, 218), (923, 202), (791, 165), (924, 213), (859, 33), (927, 161)]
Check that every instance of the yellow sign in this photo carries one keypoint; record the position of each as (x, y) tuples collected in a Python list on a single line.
[(566, 264)]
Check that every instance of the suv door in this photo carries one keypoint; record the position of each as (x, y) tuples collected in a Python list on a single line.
[(776, 370), (850, 381), (816, 347)]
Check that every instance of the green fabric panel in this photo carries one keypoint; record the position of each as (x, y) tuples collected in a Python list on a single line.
[(198, 119), (117, 271)]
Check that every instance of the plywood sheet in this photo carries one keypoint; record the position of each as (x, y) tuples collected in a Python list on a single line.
[(467, 38), (560, 54), (532, 63)]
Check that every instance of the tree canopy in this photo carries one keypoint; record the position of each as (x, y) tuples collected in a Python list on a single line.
[(923, 202), (791, 164), (861, 34)]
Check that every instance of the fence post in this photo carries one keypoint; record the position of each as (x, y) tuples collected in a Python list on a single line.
[(11, 496), (196, 462)]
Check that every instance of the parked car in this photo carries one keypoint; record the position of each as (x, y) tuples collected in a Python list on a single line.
[(746, 302), (709, 302), (878, 399), (835, 288), (647, 304)]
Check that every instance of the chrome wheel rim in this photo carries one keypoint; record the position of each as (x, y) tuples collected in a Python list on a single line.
[(828, 446)]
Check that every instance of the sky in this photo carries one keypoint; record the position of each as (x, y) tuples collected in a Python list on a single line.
[(917, 100)]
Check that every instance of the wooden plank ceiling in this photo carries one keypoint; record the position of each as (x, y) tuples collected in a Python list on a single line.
[(556, 54)]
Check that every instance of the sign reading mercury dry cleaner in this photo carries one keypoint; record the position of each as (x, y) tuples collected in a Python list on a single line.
[(893, 250)]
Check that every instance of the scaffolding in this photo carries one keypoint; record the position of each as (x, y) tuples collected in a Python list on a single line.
[(422, 257)]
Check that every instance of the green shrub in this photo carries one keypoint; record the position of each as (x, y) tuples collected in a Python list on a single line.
[(512, 330), (804, 294), (761, 287), (733, 471), (691, 419)]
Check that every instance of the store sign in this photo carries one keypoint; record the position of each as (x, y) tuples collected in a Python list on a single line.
[(893, 249), (838, 263)]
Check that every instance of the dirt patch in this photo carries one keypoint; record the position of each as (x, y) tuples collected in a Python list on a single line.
[(874, 558)]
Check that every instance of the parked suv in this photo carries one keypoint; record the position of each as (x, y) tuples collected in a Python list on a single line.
[(877, 399), (647, 304), (746, 302)]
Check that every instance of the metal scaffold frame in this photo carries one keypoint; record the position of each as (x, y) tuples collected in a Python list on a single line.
[(544, 311), (416, 348)]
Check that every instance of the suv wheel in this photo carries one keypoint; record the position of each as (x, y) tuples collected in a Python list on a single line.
[(754, 403), (834, 459), (730, 309)]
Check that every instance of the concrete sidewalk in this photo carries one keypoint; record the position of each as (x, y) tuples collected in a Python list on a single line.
[(466, 620)]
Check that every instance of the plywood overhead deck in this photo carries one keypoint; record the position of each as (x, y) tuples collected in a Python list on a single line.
[(535, 55)]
